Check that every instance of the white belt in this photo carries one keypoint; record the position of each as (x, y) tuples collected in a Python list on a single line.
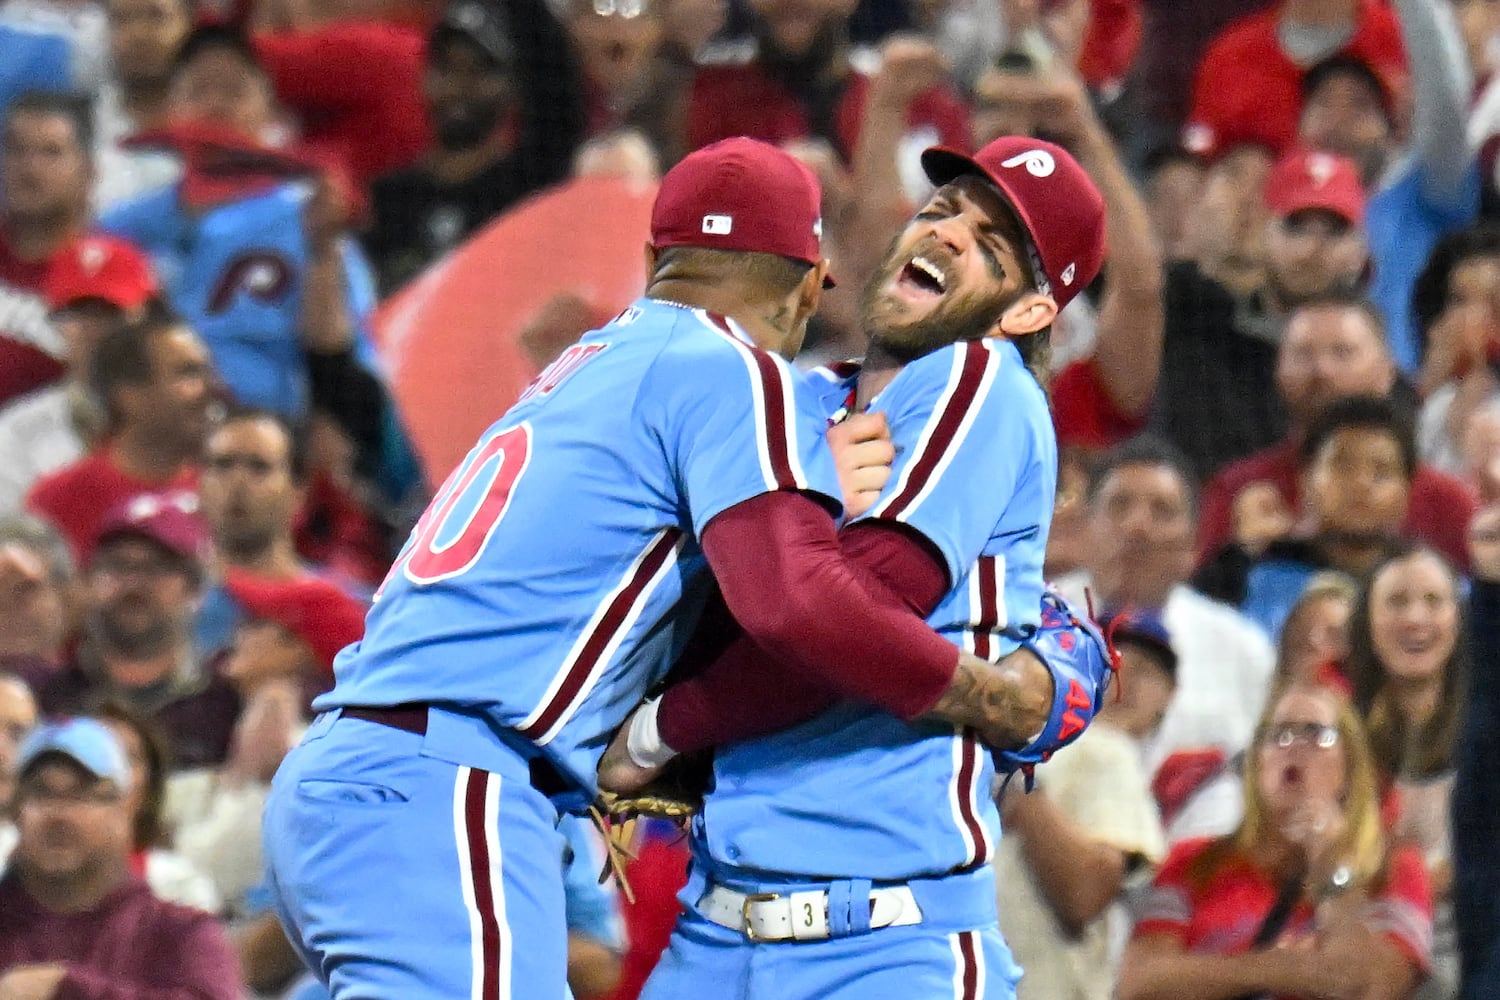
[(800, 916)]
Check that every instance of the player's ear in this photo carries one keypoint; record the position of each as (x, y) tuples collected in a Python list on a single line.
[(1031, 312), (810, 291), (652, 255)]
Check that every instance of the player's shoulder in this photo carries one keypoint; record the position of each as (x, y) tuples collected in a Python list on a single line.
[(985, 373)]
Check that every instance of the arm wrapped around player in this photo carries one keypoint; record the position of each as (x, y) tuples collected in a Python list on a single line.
[(1082, 662)]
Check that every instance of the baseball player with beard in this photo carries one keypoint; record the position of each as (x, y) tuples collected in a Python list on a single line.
[(848, 857)]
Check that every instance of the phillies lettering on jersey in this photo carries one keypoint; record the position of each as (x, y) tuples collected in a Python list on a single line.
[(557, 572), (858, 793), (234, 272)]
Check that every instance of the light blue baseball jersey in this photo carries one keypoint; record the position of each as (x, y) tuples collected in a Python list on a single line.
[(235, 273), (557, 572), (857, 792)]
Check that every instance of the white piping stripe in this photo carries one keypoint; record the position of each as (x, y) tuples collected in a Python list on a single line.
[(466, 877), (977, 799), (991, 367), (954, 791), (958, 967), (667, 567), (497, 877), (979, 968), (758, 396)]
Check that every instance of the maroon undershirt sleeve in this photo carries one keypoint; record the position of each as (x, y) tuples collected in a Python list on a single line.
[(853, 604)]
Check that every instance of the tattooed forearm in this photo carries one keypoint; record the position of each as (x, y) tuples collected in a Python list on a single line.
[(1007, 702)]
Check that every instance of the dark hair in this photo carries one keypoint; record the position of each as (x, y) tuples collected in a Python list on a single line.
[(1344, 299), (296, 437), (1145, 449), (776, 274), (123, 357), (1374, 413), (150, 829), (1429, 296), (211, 37), (1344, 64), (1431, 749), (74, 107)]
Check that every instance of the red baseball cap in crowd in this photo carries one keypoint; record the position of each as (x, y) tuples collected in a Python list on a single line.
[(741, 194), (312, 609), (1058, 205), (1301, 181), (100, 267), (171, 520)]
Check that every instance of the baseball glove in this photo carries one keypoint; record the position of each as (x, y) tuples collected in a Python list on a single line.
[(1083, 662), (676, 795)]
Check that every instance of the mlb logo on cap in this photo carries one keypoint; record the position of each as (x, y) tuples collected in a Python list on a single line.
[(741, 194)]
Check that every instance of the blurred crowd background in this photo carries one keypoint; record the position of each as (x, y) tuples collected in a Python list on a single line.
[(226, 225)]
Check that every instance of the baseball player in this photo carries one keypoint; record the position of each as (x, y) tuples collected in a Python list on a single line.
[(848, 857), (412, 839)]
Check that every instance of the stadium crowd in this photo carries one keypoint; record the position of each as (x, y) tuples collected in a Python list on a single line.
[(1279, 413)]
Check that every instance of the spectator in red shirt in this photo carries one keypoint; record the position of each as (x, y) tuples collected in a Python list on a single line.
[(1306, 899), (1334, 347), (800, 84), (46, 171), (156, 384), (144, 583), (74, 921), (355, 85), (1248, 85)]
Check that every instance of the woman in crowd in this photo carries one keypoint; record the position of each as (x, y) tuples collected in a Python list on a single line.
[(1308, 898), (1409, 667), (1314, 644)]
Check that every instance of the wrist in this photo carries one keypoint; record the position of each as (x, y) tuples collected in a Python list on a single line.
[(643, 741)]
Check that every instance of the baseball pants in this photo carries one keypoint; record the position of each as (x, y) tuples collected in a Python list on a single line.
[(400, 876)]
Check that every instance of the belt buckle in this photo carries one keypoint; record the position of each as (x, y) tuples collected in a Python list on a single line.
[(751, 900)]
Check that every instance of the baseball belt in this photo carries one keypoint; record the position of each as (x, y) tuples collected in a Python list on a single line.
[(804, 915)]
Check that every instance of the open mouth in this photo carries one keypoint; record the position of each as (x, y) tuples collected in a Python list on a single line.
[(922, 275), (1292, 775)]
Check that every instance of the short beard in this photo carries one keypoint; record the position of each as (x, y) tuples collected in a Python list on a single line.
[(966, 318), (138, 644), (467, 132)]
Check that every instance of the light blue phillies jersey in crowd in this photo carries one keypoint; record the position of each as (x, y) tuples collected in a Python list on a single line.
[(857, 793), (235, 273), (557, 572)]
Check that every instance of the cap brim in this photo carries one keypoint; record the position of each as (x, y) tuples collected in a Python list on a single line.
[(1286, 211), (943, 165)]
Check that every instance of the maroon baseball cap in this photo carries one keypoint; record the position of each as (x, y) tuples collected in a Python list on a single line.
[(741, 194), (171, 520), (1058, 205), (100, 267), (1302, 181)]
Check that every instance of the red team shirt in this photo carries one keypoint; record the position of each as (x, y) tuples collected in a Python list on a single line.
[(1247, 90), (1222, 916), (743, 100), (30, 349), (76, 498)]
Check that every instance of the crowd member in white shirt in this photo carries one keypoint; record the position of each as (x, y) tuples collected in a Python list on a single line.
[(144, 36), (1141, 516), (99, 283), (1088, 831)]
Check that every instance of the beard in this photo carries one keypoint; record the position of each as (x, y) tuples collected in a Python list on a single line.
[(466, 127), (957, 317), (797, 70), (133, 639)]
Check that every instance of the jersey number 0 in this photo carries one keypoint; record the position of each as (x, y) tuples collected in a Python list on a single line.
[(482, 486)]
